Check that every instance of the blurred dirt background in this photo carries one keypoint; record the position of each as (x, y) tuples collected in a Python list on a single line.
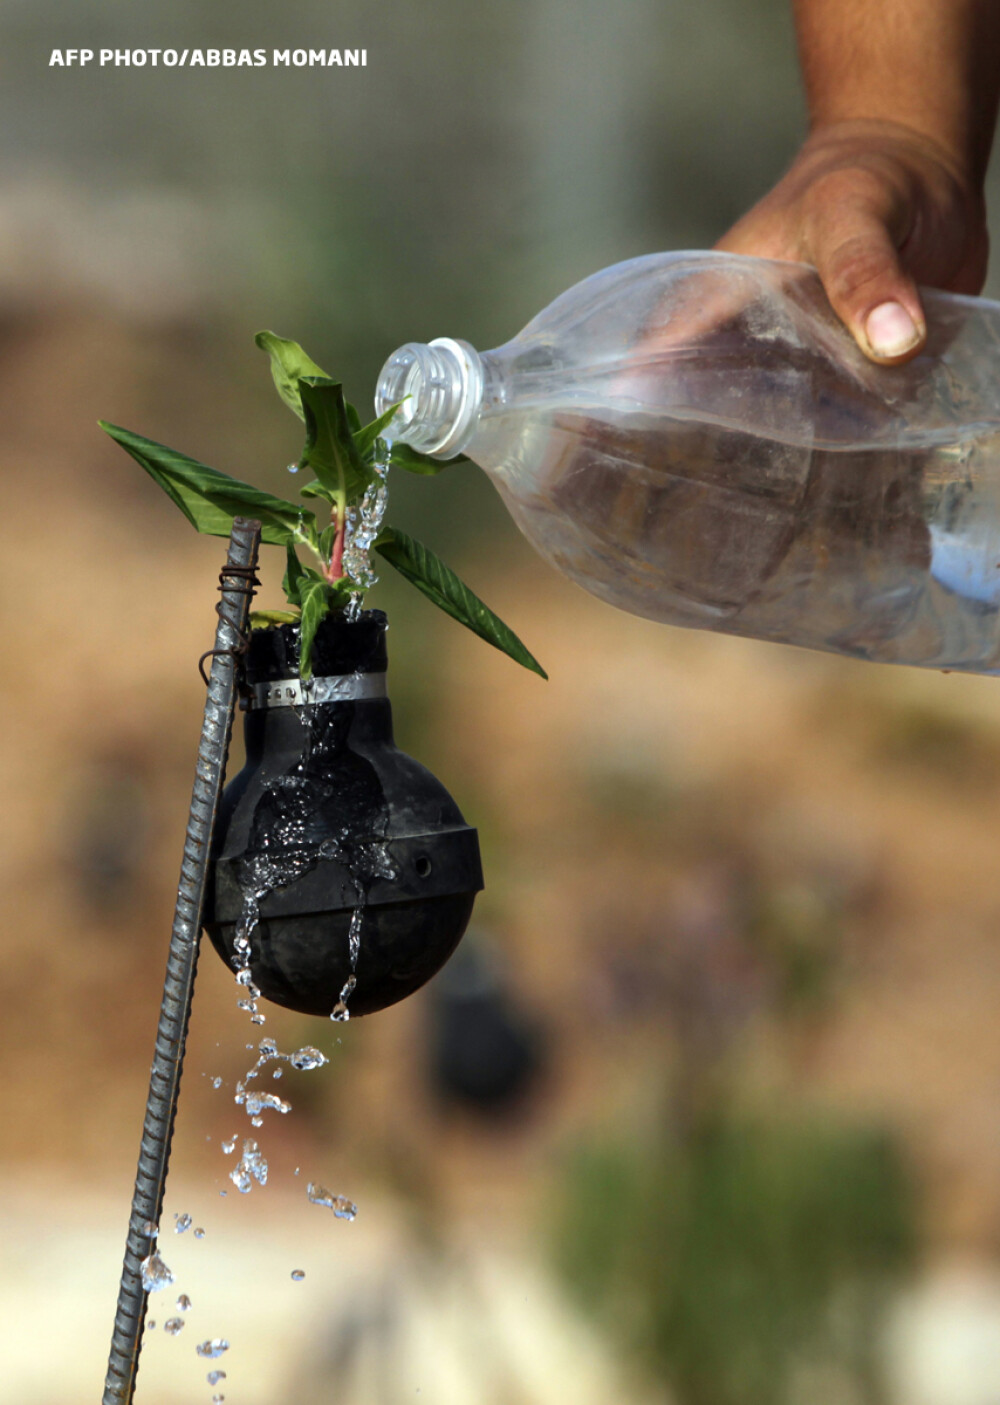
[(708, 1109)]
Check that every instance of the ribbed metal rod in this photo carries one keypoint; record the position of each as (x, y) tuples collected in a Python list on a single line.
[(182, 960)]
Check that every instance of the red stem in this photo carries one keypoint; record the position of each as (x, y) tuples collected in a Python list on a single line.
[(335, 570)]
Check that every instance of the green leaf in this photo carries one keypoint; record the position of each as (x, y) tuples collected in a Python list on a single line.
[(289, 363), (209, 499), (293, 577), (402, 456), (326, 540), (263, 619), (316, 603), (318, 599), (440, 584), (315, 489), (365, 438), (330, 449)]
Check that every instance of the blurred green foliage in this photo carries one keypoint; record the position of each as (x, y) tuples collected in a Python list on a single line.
[(736, 1259)]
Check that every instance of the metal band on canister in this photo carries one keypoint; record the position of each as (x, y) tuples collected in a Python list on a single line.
[(296, 692)]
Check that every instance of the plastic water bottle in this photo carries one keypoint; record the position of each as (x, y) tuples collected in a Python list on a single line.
[(695, 438)]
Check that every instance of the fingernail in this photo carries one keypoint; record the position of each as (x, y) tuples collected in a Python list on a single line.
[(891, 330)]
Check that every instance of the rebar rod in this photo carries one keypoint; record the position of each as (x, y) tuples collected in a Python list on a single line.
[(178, 986)]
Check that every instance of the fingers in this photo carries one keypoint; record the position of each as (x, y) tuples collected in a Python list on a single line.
[(870, 209), (857, 259), (862, 276)]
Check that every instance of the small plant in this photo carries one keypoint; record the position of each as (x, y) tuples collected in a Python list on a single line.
[(349, 461)]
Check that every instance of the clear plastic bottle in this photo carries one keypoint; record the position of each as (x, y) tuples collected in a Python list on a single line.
[(695, 438)]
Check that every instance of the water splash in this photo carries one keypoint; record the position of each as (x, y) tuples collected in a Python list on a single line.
[(284, 853), (274, 865), (251, 1167), (363, 524), (155, 1273), (343, 1208), (256, 1103), (213, 1348), (249, 918), (379, 865), (340, 1010)]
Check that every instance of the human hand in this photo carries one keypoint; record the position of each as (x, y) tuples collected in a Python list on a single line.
[(877, 209)]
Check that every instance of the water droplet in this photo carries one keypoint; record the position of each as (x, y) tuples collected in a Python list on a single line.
[(199, 1233), (230, 1146), (173, 1325), (293, 468), (218, 1399), (340, 1010), (184, 1302), (307, 1058), (343, 1208), (298, 1274), (277, 1073), (155, 1274), (151, 1325), (216, 1082), (256, 1122), (213, 1348), (214, 1377), (256, 1103), (252, 1167), (151, 1228), (183, 1223)]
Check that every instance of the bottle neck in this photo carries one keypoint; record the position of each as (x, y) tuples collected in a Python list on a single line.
[(439, 387)]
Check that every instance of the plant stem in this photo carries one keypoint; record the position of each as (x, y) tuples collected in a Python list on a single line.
[(335, 570)]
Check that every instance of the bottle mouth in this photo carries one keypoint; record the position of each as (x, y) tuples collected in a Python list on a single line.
[(342, 648), (439, 389)]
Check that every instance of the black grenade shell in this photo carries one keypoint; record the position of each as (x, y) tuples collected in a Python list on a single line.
[(329, 816)]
